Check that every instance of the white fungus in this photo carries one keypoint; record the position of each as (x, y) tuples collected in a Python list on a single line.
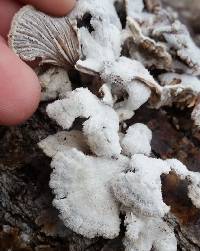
[(137, 140), (101, 125), (145, 234), (140, 188), (62, 141), (82, 192), (55, 83)]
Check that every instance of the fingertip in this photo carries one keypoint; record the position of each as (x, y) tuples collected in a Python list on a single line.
[(68, 6), (19, 88), (7, 10), (63, 9), (57, 8)]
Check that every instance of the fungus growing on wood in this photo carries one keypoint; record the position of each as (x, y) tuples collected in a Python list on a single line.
[(98, 170), (137, 140), (34, 35), (81, 185), (101, 125)]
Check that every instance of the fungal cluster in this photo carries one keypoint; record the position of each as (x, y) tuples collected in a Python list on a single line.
[(102, 169)]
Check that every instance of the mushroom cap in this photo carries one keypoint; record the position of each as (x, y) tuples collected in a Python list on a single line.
[(140, 188), (81, 185), (101, 125), (137, 140)]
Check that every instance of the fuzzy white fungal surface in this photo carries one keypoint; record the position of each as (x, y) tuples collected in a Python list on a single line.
[(137, 140), (144, 233), (108, 73), (140, 188), (63, 141), (101, 125), (82, 187), (196, 115), (55, 83)]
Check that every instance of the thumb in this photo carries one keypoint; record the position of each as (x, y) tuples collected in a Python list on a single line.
[(58, 8), (19, 88)]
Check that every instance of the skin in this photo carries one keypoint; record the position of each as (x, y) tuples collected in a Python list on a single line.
[(19, 86)]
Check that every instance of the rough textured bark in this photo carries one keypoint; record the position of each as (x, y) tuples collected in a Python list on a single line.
[(28, 220)]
